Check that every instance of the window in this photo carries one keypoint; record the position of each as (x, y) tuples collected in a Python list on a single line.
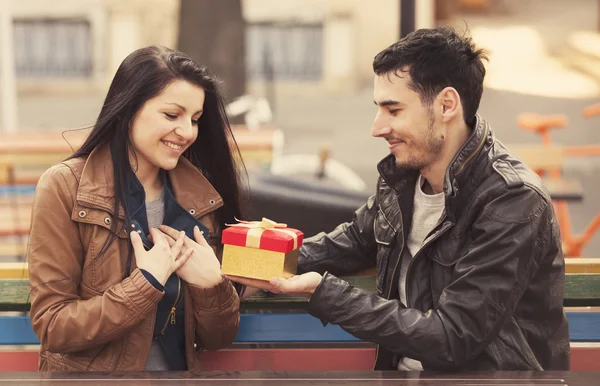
[(284, 51), (53, 47)]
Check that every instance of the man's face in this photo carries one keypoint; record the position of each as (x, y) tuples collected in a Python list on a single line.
[(405, 123)]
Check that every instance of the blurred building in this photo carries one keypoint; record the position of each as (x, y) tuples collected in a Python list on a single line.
[(65, 46), (317, 44)]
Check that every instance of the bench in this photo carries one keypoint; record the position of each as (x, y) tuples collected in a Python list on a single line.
[(24, 156), (22, 161), (550, 158), (277, 334)]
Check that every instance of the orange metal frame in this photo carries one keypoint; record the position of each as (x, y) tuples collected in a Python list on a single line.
[(541, 125)]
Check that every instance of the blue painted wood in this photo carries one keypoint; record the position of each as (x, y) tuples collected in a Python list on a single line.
[(278, 328), (288, 328), (16, 330), (584, 326), (6, 190)]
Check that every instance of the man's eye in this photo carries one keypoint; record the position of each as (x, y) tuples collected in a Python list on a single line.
[(394, 111)]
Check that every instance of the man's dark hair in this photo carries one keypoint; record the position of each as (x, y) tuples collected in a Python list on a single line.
[(435, 59)]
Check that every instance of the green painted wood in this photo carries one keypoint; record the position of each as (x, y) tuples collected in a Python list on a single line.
[(580, 290), (14, 295)]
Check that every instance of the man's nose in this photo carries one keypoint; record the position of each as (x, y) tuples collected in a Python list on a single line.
[(380, 127)]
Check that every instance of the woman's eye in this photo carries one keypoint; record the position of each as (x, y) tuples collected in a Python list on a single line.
[(170, 116), (195, 122)]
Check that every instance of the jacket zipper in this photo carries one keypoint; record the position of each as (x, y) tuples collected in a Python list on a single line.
[(437, 235), (393, 275), (485, 133), (443, 218), (171, 316), (437, 225)]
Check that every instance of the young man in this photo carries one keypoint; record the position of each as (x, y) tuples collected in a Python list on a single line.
[(470, 271)]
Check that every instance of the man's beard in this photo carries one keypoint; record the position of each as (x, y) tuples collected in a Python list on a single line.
[(432, 146)]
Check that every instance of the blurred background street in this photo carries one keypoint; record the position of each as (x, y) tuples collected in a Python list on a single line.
[(545, 58)]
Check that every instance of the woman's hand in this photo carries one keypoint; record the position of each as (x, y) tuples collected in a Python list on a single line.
[(163, 258), (203, 268)]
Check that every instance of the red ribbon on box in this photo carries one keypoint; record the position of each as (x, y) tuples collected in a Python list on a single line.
[(265, 234)]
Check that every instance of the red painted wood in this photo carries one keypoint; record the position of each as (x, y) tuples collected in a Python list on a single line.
[(585, 358), (334, 359), (19, 360), (290, 359)]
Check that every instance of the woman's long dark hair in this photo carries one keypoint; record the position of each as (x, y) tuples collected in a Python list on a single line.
[(141, 76)]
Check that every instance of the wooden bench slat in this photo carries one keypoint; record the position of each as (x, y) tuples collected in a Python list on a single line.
[(584, 326), (564, 189), (582, 265), (263, 328), (545, 157), (573, 266), (11, 250), (8, 202), (15, 270), (580, 290), (28, 159), (19, 360), (291, 359), (17, 330), (326, 359)]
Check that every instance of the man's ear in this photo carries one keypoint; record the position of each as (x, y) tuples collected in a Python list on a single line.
[(449, 104)]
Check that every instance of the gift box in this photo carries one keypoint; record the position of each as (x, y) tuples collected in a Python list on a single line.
[(260, 249)]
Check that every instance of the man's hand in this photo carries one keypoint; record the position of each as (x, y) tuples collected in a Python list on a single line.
[(302, 285)]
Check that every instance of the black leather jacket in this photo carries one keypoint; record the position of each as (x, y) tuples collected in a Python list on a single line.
[(485, 292)]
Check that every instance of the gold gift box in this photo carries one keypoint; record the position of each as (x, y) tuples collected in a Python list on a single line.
[(258, 263)]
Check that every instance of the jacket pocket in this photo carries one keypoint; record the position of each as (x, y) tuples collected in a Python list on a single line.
[(385, 236), (104, 357), (513, 350), (58, 362), (443, 258)]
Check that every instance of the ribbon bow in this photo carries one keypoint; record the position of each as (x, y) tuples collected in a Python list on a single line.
[(258, 227)]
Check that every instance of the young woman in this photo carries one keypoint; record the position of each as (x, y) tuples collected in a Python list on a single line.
[(122, 276)]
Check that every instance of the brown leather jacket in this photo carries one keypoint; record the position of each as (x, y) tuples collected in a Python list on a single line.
[(83, 312)]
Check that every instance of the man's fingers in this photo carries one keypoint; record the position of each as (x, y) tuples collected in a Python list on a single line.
[(293, 285), (283, 285)]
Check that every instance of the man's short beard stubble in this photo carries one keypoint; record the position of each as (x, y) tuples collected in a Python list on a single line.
[(433, 148)]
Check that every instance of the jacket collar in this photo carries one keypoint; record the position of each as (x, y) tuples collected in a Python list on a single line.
[(458, 170), (191, 189)]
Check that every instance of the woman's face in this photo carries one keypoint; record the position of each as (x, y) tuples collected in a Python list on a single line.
[(166, 126)]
